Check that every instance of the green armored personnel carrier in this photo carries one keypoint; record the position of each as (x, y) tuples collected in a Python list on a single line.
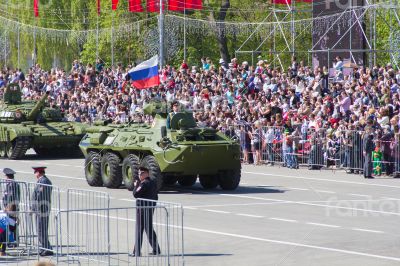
[(181, 153), (25, 125)]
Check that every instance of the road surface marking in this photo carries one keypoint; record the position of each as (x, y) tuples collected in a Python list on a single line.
[(249, 215), (367, 230), (324, 225), (343, 251), (216, 211), (313, 204), (284, 220), (322, 179), (296, 188), (386, 198), (358, 195), (325, 191)]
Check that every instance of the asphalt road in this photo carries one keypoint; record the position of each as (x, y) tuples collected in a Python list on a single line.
[(277, 216)]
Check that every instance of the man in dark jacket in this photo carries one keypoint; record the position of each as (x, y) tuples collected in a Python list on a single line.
[(41, 206), (146, 195), (368, 147)]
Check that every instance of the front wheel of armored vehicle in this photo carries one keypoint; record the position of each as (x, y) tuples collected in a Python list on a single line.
[(130, 171), (150, 162), (93, 169), (187, 180), (3, 153), (111, 171), (229, 180), (10, 150), (208, 181)]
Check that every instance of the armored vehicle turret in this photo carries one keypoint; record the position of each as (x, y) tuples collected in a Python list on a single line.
[(31, 124), (173, 148)]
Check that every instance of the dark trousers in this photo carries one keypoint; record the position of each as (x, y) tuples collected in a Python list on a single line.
[(389, 164), (368, 165), (42, 223), (144, 221), (3, 241)]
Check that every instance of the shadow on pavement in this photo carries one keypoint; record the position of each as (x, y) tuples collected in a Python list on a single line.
[(197, 189)]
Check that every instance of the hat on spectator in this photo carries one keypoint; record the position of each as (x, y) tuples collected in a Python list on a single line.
[(221, 61), (38, 169), (8, 171)]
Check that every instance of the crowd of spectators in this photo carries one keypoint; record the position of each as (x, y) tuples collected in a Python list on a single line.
[(229, 94)]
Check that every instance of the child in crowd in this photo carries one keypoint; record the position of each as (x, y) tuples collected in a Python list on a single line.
[(377, 160), (8, 222)]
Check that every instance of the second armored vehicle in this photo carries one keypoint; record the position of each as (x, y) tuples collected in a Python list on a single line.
[(25, 125), (180, 153)]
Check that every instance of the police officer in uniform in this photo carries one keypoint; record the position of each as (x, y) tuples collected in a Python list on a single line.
[(41, 205), (12, 190), (145, 188), (175, 109), (368, 147)]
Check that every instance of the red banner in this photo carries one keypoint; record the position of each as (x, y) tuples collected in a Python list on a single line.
[(282, 2), (98, 7), (154, 5), (114, 4), (194, 4), (135, 6), (176, 5), (36, 7)]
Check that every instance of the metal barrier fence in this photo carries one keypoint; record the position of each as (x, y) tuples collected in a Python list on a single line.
[(111, 236), (316, 149), (79, 226)]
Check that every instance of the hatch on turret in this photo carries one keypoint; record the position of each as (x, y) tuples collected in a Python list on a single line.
[(12, 94)]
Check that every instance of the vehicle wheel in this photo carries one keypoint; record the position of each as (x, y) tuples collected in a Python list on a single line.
[(208, 181), (111, 171), (93, 169), (3, 153), (229, 180), (130, 171), (170, 180), (10, 146), (187, 180), (154, 170)]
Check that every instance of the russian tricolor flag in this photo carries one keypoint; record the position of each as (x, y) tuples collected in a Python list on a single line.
[(145, 75)]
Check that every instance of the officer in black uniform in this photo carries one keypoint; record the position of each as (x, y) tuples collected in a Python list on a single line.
[(12, 190), (41, 205), (145, 188), (175, 109), (368, 147)]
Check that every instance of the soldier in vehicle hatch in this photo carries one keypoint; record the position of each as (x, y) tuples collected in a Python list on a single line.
[(175, 109)]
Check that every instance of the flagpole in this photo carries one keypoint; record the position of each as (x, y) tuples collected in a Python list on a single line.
[(97, 36), (112, 39), (184, 30), (161, 33)]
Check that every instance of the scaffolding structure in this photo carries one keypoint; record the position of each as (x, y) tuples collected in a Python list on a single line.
[(380, 44)]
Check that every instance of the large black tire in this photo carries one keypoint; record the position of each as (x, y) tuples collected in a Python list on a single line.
[(111, 171), (187, 180), (3, 153), (17, 148), (170, 180), (130, 171), (93, 169), (150, 162), (208, 181), (229, 180)]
